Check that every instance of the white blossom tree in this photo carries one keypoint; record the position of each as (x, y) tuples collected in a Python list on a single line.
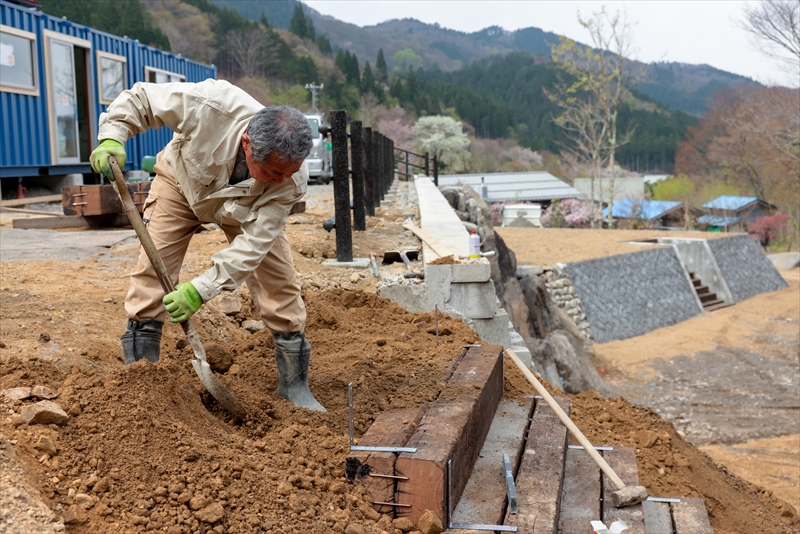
[(442, 137)]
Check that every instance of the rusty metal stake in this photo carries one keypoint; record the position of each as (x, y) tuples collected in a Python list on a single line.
[(437, 324)]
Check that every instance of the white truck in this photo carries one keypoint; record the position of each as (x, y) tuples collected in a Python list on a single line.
[(319, 160)]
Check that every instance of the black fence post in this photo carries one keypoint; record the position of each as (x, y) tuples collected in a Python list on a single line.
[(435, 171), (369, 195), (427, 165), (394, 166), (341, 186), (357, 165), (380, 168), (376, 169)]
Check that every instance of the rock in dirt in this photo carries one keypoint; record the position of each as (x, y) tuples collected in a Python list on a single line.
[(20, 393), (211, 513), (229, 304), (74, 516), (44, 337), (403, 523), (218, 358), (44, 413), (46, 445), (43, 392), (430, 523), (252, 325)]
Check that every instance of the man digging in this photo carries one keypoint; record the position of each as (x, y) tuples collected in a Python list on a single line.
[(232, 162)]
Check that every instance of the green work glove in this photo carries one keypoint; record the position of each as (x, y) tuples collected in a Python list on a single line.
[(182, 302), (99, 157)]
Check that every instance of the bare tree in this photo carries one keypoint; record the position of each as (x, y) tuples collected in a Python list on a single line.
[(775, 24), (604, 72), (251, 51), (587, 131)]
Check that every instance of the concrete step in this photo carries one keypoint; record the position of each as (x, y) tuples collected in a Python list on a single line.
[(716, 305), (700, 289), (707, 297)]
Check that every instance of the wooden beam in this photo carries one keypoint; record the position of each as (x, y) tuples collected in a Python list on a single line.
[(31, 212), (454, 428), (541, 472), (580, 493), (623, 461), (437, 246), (485, 498), (392, 428), (690, 516), (29, 200), (71, 221)]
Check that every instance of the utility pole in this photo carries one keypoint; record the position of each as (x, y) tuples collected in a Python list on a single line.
[(313, 88)]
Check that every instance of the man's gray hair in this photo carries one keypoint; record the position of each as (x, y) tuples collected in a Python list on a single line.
[(280, 129)]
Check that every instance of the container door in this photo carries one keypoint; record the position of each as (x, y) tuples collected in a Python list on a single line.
[(63, 95)]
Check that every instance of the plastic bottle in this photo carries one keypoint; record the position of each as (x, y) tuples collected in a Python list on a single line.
[(474, 245)]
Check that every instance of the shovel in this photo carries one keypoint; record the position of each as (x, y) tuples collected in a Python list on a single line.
[(201, 367)]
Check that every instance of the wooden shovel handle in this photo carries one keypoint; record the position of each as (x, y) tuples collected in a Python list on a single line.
[(566, 420)]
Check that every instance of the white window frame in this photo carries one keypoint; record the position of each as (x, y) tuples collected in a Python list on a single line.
[(14, 88), (106, 55), (48, 35), (149, 70)]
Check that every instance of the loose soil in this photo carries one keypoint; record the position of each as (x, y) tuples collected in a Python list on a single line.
[(146, 448)]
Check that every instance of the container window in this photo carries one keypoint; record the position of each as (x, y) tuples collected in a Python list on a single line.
[(18, 61), (112, 80), (153, 75)]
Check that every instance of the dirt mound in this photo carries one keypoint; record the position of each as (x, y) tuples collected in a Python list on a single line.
[(147, 446), (669, 466)]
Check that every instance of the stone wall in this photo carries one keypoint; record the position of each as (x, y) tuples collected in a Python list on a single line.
[(744, 267), (631, 294)]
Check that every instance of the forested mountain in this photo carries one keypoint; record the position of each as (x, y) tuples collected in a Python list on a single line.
[(503, 96), (688, 88)]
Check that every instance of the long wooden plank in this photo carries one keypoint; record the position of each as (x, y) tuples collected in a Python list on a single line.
[(437, 246), (454, 428), (623, 461), (690, 516), (31, 212), (29, 200), (657, 517), (71, 221), (484, 498), (392, 428), (580, 494), (541, 472)]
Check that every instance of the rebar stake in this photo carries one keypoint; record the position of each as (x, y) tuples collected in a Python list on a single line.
[(436, 306)]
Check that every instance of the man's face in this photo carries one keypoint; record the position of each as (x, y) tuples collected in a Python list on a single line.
[(275, 170)]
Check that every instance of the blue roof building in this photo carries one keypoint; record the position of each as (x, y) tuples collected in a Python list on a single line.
[(734, 213), (666, 214)]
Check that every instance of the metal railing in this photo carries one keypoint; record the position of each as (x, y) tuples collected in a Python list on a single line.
[(426, 159)]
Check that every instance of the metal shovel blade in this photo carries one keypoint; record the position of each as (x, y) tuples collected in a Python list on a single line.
[(201, 367), (218, 390)]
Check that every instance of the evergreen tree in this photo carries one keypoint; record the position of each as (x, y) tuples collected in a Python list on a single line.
[(339, 62), (368, 81), (381, 71), (324, 45), (311, 33), (298, 25), (352, 73)]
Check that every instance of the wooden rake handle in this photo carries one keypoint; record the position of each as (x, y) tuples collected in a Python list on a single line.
[(566, 420)]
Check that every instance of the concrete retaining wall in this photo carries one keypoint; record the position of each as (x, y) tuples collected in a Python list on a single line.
[(631, 294), (697, 257), (746, 269)]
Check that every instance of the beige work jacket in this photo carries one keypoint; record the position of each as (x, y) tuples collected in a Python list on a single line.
[(208, 120)]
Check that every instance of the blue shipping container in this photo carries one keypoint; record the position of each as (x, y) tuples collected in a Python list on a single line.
[(57, 77)]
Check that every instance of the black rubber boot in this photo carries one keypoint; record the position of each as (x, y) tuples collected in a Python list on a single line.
[(292, 354), (142, 339)]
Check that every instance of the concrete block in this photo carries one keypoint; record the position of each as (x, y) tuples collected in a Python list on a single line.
[(474, 301), (524, 355), (357, 263), (494, 330), (414, 296), (477, 270), (515, 338), (785, 260)]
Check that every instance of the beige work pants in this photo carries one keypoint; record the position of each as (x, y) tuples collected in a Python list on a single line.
[(171, 223)]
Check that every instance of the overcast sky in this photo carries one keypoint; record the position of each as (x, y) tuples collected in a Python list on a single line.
[(685, 31)]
